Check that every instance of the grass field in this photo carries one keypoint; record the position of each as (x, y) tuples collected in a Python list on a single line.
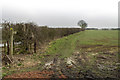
[(92, 52), (89, 49), (67, 45)]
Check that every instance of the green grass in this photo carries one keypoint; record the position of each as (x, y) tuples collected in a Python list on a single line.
[(66, 46), (100, 37), (63, 46)]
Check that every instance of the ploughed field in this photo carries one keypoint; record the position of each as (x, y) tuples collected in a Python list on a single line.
[(87, 54)]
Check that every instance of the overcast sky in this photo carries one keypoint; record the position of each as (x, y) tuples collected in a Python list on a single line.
[(97, 13)]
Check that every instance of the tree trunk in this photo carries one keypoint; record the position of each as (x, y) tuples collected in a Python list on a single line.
[(8, 48), (13, 46), (5, 48), (34, 47), (29, 48), (26, 46)]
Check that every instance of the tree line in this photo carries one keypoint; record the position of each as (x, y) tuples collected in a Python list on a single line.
[(29, 36)]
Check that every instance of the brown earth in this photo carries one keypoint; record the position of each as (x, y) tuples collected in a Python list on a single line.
[(102, 63)]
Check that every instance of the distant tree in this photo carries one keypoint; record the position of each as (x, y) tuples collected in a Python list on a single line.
[(82, 24)]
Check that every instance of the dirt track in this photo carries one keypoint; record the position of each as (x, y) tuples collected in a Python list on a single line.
[(79, 65)]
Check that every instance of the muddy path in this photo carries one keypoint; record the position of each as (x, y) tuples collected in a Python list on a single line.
[(87, 64)]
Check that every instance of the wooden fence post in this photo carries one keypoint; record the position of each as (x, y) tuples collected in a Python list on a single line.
[(11, 42)]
